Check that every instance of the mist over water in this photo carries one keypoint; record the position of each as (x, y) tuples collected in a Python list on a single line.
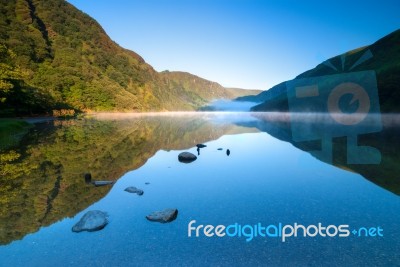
[(229, 105)]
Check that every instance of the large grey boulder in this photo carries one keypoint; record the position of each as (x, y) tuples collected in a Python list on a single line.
[(93, 220), (164, 216), (186, 157), (134, 190)]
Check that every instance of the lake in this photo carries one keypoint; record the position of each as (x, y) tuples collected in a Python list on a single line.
[(275, 175)]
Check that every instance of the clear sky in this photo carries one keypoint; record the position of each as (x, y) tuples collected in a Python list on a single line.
[(242, 43)]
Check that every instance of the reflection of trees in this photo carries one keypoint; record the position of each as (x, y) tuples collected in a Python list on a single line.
[(42, 181)]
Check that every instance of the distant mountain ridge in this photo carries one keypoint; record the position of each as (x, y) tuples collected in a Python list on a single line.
[(385, 61), (54, 56)]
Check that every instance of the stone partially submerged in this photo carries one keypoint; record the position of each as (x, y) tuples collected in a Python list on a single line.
[(134, 190), (186, 157), (93, 220), (164, 216), (102, 183), (88, 178)]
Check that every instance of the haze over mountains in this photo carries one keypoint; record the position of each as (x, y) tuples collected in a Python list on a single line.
[(54, 56)]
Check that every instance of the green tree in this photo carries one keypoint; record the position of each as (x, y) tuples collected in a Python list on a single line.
[(9, 73)]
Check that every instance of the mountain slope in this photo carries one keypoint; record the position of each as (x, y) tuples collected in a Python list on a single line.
[(55, 56), (385, 61)]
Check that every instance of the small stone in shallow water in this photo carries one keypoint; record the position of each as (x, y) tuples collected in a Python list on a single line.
[(164, 216), (88, 177), (146, 183), (219, 148), (135, 190), (102, 183), (186, 157), (201, 146), (93, 220)]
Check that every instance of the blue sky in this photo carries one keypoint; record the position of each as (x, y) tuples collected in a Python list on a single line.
[(242, 43)]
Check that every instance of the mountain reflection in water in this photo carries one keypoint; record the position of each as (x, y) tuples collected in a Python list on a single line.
[(42, 179)]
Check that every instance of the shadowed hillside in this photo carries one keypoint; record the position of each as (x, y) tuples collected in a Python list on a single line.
[(383, 57)]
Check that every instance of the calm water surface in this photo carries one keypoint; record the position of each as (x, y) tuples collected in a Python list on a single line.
[(268, 178)]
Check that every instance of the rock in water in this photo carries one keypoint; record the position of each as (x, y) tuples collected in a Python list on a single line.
[(164, 216), (219, 148), (201, 146), (135, 190), (186, 157), (102, 183), (88, 178), (228, 152), (93, 220)]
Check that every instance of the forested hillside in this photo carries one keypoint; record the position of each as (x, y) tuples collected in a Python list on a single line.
[(54, 56)]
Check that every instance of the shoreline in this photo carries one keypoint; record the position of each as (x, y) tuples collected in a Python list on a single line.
[(387, 118)]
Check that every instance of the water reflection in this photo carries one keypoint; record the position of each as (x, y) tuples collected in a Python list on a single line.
[(50, 175), (374, 155)]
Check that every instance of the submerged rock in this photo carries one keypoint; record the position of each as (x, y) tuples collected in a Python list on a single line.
[(228, 152), (146, 183), (134, 190), (102, 183), (219, 148), (164, 216), (201, 146), (186, 157), (93, 220)]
